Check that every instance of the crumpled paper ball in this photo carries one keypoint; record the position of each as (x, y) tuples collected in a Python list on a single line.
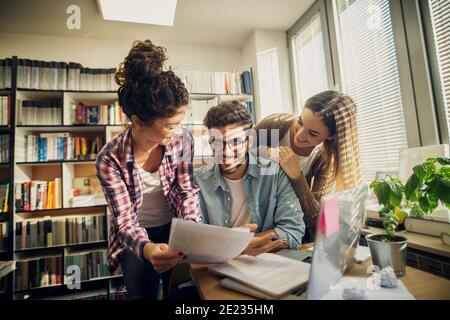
[(388, 278), (354, 294)]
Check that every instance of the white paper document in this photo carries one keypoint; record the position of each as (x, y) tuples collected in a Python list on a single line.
[(269, 273), (362, 253), (204, 243)]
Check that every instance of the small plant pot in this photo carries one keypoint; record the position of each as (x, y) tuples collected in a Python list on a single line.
[(388, 251)]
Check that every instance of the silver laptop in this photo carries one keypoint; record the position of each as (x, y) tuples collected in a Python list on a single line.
[(333, 255)]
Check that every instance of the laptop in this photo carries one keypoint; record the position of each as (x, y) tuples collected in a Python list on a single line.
[(333, 254)]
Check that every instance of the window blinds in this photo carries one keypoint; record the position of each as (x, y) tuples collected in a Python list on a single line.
[(440, 20), (371, 77), (269, 82)]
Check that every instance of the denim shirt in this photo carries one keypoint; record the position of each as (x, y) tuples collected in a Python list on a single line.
[(271, 200)]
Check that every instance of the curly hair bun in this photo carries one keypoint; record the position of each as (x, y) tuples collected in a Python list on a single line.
[(146, 90), (145, 60)]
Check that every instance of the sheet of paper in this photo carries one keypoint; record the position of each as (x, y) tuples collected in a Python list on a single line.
[(269, 273), (204, 243), (329, 219), (362, 253), (398, 293)]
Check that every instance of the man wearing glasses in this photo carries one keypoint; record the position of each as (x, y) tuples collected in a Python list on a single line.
[(241, 189)]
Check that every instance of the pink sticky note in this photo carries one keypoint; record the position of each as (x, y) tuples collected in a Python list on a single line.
[(329, 217)]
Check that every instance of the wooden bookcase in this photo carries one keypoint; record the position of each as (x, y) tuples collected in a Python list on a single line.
[(21, 170)]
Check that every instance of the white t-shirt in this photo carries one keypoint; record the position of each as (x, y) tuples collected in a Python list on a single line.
[(239, 210), (154, 211), (305, 162)]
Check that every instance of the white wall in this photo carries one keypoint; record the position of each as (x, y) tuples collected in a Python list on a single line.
[(104, 53), (268, 39), (261, 40)]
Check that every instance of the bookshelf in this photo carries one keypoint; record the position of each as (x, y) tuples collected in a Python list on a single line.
[(20, 169), (7, 96), (44, 160)]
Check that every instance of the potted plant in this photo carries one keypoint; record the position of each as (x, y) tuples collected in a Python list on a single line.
[(428, 185)]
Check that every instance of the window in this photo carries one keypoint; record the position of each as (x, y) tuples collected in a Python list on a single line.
[(269, 82), (370, 75), (310, 68), (440, 21)]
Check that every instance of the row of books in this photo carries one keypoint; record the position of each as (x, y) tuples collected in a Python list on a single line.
[(48, 271), (38, 272), (93, 264), (52, 75), (45, 75), (4, 148), (4, 196), (217, 82), (39, 112), (5, 106), (5, 73), (57, 231), (97, 114), (119, 294), (62, 146), (38, 195), (90, 79), (3, 236)]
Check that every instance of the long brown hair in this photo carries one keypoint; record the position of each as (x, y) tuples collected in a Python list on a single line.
[(341, 154)]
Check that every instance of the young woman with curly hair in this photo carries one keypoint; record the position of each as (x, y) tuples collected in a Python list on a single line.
[(146, 171)]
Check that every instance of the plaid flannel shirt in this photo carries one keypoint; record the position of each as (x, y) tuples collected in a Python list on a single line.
[(123, 189)]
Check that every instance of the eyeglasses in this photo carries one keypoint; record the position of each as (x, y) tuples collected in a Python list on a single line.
[(232, 143)]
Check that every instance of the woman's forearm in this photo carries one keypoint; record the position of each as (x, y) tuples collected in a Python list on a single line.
[(308, 201)]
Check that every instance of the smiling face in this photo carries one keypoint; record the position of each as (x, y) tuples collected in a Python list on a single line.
[(308, 131), (229, 145), (162, 129)]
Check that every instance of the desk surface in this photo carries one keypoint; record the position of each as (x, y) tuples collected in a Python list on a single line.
[(422, 285)]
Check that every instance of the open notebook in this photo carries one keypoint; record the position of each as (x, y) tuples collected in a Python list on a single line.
[(272, 275)]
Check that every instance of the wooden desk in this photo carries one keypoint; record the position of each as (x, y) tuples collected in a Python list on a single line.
[(422, 285)]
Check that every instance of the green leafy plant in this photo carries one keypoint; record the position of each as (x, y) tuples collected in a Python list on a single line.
[(428, 185)]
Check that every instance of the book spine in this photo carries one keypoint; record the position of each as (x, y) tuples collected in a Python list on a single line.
[(26, 197)]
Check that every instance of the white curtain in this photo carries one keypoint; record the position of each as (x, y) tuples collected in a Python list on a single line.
[(309, 61), (269, 82)]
